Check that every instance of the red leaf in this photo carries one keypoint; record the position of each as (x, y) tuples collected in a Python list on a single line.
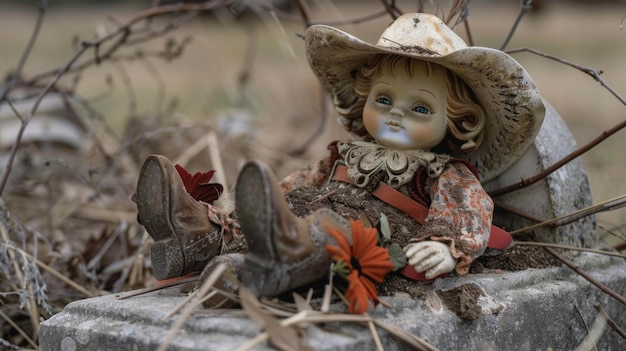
[(198, 185)]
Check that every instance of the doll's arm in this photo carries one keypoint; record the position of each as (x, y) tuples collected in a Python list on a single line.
[(310, 175), (459, 216)]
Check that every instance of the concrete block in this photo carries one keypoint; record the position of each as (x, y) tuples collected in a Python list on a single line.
[(526, 310)]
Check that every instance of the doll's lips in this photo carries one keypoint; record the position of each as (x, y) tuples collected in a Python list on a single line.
[(393, 125)]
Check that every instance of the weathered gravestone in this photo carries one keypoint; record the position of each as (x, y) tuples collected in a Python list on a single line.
[(560, 193)]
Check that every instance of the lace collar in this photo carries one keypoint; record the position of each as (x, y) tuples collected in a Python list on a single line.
[(371, 163)]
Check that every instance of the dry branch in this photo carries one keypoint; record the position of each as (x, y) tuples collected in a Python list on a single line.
[(589, 278)]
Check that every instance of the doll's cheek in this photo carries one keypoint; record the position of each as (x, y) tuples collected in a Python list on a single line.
[(372, 123)]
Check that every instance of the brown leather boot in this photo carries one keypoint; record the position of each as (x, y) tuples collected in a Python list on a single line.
[(285, 251), (184, 238)]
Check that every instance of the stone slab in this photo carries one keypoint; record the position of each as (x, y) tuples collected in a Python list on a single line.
[(526, 310)]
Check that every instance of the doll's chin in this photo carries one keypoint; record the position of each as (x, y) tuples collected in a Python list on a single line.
[(399, 143)]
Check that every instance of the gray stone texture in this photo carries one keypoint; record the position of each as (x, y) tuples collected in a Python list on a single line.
[(526, 310)]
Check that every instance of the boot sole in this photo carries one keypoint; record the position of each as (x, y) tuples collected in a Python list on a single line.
[(153, 205), (254, 208)]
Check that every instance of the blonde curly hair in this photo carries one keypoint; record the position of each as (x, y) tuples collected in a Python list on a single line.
[(466, 117)]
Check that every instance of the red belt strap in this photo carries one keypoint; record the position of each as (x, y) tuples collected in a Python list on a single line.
[(498, 239)]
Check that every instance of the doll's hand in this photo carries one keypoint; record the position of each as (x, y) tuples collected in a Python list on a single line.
[(430, 256)]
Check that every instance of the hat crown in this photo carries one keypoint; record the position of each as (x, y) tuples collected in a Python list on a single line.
[(421, 33)]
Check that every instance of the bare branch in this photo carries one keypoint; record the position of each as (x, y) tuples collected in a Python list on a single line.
[(608, 205), (567, 247), (581, 150), (20, 134), (525, 7), (391, 9), (610, 321), (31, 42), (595, 74), (126, 36), (589, 278), (119, 38)]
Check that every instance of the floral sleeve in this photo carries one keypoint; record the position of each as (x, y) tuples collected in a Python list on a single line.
[(311, 175), (460, 215)]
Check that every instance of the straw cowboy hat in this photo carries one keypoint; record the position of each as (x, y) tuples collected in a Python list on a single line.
[(514, 109)]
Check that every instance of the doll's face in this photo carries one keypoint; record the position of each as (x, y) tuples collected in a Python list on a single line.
[(408, 112)]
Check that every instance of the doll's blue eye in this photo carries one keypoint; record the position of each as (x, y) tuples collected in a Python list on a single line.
[(383, 101), (422, 109)]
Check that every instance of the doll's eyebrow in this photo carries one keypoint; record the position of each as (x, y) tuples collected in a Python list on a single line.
[(428, 91)]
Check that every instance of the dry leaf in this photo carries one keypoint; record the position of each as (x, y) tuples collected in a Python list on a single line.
[(281, 337), (301, 303)]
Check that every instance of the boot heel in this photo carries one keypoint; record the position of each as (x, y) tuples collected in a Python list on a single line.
[(167, 259)]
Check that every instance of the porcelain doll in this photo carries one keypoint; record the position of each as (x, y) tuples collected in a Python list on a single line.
[(430, 117)]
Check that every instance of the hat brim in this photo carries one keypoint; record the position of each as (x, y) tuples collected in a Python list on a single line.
[(512, 103)]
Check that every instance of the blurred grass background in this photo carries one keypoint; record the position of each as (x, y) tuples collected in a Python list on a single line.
[(282, 93)]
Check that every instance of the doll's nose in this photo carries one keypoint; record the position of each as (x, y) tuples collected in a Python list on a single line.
[(396, 112)]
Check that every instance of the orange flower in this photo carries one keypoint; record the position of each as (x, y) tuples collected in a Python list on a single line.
[(366, 262)]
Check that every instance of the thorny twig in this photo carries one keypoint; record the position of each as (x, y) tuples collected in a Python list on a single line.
[(589, 278), (119, 38)]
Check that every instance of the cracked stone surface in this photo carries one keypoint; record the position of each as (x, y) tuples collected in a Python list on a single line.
[(534, 309)]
